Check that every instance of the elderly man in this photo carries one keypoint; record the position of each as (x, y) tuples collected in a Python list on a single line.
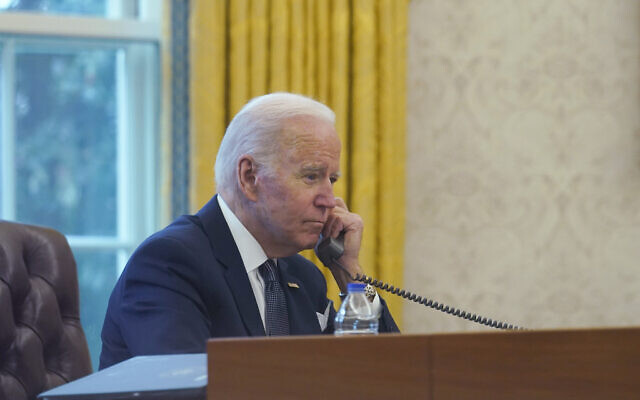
[(232, 269)]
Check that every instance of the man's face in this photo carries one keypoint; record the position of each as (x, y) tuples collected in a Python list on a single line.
[(295, 199)]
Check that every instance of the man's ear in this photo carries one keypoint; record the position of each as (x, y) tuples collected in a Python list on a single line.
[(247, 177)]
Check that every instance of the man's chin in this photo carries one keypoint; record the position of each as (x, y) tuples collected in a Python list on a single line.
[(310, 243)]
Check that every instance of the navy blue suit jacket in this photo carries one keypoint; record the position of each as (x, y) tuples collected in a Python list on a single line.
[(187, 283)]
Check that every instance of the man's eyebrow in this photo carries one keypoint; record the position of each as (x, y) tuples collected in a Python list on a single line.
[(313, 168)]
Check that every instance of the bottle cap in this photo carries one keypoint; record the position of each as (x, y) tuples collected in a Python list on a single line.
[(355, 287)]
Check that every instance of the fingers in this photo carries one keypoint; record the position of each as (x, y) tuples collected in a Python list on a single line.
[(333, 226), (340, 203), (341, 219), (336, 228), (327, 228)]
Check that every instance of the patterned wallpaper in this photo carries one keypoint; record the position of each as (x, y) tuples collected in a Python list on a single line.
[(523, 170)]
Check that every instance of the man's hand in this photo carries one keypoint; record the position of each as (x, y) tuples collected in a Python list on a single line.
[(342, 220)]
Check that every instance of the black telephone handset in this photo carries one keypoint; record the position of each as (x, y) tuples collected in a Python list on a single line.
[(329, 250)]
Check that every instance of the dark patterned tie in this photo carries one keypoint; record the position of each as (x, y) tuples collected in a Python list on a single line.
[(276, 315)]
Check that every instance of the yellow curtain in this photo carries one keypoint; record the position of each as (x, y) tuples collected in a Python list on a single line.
[(348, 54)]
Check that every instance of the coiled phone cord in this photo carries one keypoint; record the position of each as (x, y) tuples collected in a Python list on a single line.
[(428, 302), (434, 304)]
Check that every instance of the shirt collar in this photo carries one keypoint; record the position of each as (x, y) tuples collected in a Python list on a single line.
[(250, 250)]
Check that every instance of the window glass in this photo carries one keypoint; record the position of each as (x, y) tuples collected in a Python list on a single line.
[(97, 274), (66, 142), (77, 7)]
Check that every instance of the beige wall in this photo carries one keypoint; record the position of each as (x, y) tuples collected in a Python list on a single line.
[(524, 162)]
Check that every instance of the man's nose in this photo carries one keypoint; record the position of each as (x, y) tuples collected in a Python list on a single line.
[(325, 197)]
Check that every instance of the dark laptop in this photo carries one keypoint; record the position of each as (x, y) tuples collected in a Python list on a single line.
[(175, 376)]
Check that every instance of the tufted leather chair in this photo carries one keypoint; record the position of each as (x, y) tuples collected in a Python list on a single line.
[(42, 344)]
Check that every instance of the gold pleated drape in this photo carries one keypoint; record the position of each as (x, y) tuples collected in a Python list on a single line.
[(348, 54)]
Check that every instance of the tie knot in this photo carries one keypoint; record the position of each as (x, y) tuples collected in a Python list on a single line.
[(269, 271)]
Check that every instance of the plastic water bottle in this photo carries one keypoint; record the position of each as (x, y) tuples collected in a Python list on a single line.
[(357, 315)]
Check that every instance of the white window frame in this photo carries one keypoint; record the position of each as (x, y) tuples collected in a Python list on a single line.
[(138, 77)]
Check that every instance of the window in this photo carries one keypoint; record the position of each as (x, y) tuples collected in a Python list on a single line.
[(78, 132), (96, 8)]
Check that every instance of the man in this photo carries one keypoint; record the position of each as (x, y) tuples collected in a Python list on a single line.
[(233, 269)]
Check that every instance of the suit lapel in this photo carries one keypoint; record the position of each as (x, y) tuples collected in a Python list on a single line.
[(243, 295), (226, 252), (302, 315)]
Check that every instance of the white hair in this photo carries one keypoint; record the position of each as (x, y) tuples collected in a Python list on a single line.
[(255, 130)]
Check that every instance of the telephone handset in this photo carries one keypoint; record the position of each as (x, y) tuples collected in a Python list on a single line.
[(329, 250)]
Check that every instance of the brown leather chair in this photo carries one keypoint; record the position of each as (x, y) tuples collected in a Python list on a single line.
[(42, 344)]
